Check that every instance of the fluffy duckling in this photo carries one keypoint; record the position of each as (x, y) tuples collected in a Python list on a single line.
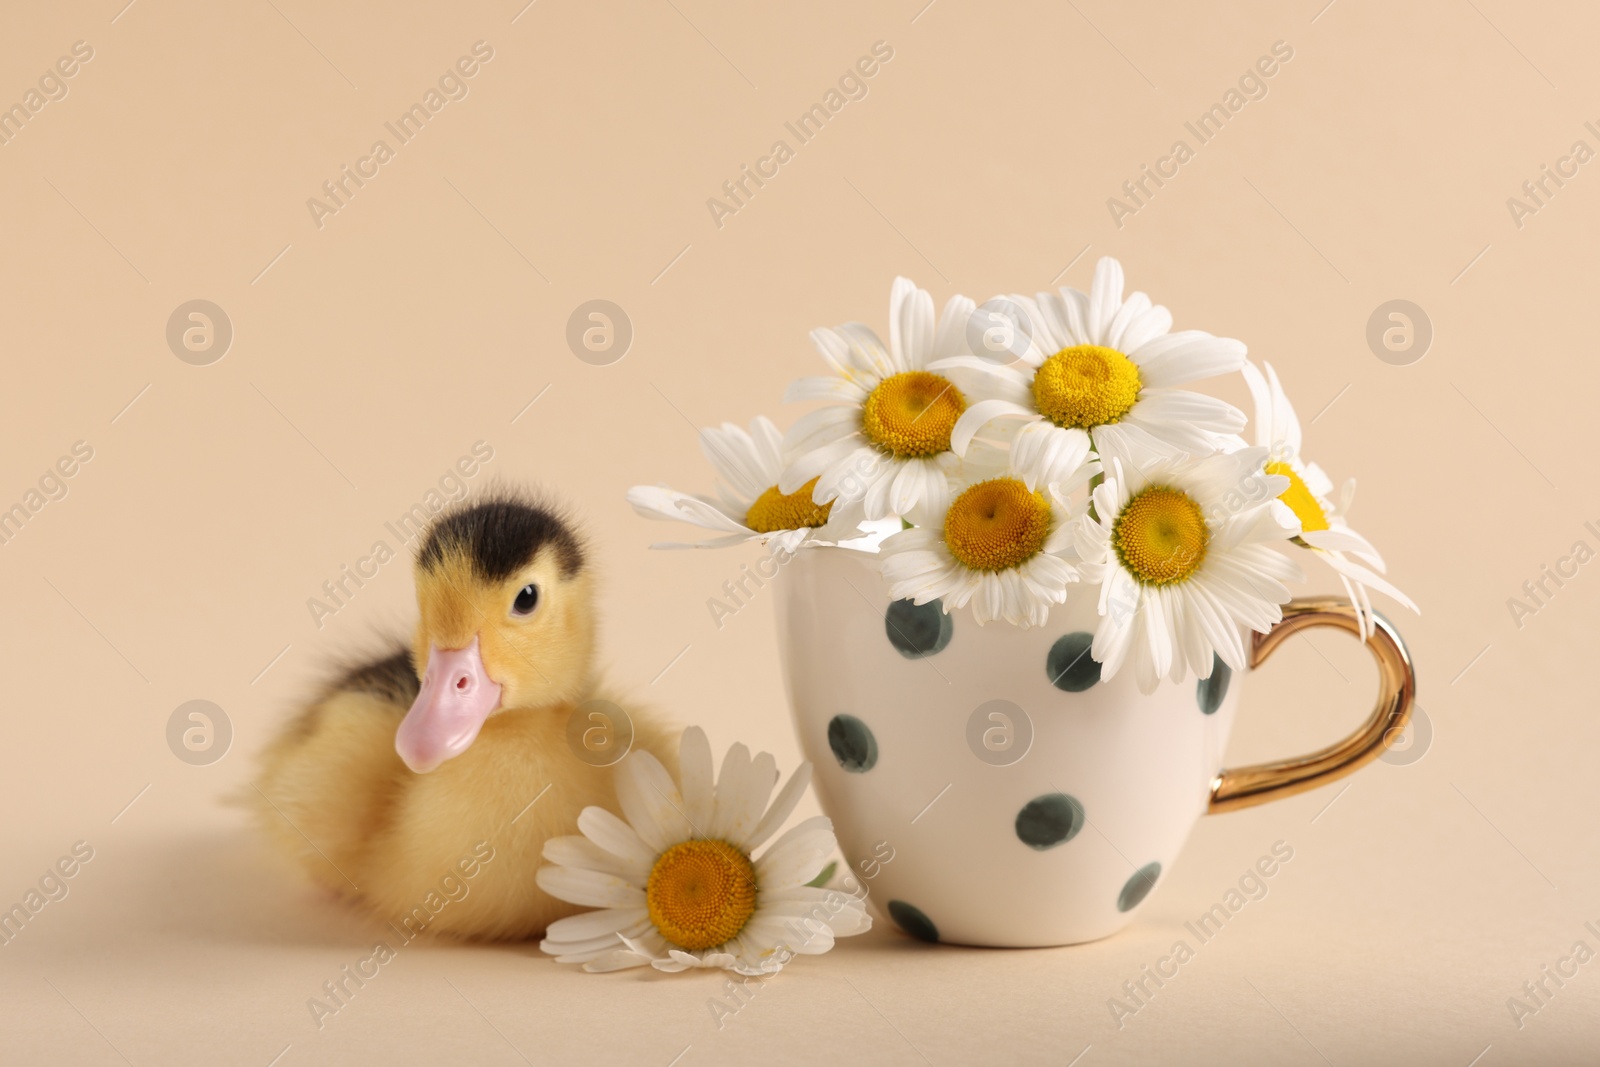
[(427, 796)]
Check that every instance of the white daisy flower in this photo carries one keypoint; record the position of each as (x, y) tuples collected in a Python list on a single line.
[(749, 504), (1001, 546), (883, 440), (1098, 376), (1181, 550), (1322, 525), (676, 879)]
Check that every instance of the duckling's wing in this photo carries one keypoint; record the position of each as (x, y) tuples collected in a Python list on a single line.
[(329, 781)]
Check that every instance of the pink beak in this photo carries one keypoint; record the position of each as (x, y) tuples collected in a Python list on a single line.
[(457, 696)]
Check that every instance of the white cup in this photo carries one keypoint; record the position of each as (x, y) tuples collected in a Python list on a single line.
[(987, 788)]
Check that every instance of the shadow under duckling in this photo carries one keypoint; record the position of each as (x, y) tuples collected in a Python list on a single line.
[(428, 797)]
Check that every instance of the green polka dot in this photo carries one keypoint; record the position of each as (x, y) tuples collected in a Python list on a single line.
[(1069, 665), (1051, 820), (912, 921), (853, 744), (1138, 887), (918, 630), (1211, 690)]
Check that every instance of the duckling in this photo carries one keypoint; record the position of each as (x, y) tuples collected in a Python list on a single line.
[(426, 795)]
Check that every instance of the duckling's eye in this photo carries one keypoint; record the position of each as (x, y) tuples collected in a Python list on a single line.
[(527, 600)]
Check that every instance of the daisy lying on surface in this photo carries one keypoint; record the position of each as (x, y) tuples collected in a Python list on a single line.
[(677, 880), (1080, 463)]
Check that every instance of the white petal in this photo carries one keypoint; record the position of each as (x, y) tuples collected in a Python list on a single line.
[(1366, 577), (825, 387), (819, 428), (834, 349), (1134, 447), (585, 851), (920, 491), (782, 807), (659, 502), (1074, 308), (616, 837), (987, 380), (589, 888), (1058, 323), (741, 800), (1342, 538), (1105, 298), (871, 489), (844, 914), (1136, 305), (951, 339), (1286, 425), (910, 325), (1120, 608), (812, 464), (695, 777), (592, 924), (619, 960), (1046, 454), (1160, 629), (650, 801), (850, 477), (1261, 398), (768, 441), (715, 542), (1180, 416), (733, 453), (798, 856), (979, 415), (1152, 323), (1187, 356), (869, 353), (810, 939)]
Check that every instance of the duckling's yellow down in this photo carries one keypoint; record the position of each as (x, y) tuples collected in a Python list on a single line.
[(334, 794)]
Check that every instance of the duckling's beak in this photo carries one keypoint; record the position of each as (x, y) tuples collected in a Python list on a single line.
[(457, 696)]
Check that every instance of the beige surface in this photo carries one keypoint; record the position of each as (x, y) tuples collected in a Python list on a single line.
[(431, 309)]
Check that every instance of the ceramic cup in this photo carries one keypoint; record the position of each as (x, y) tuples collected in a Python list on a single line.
[(989, 788)]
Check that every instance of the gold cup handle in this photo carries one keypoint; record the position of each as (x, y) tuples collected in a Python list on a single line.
[(1245, 787)]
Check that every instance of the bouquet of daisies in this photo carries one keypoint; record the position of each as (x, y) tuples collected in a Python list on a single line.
[(1039, 448)]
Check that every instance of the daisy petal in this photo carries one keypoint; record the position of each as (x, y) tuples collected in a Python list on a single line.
[(592, 924), (696, 775), (910, 325), (626, 856), (589, 888), (619, 960), (783, 806), (742, 793), (799, 855), (650, 801), (979, 415), (1105, 298), (951, 339), (659, 502)]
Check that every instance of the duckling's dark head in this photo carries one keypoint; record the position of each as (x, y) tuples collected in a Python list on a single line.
[(506, 621)]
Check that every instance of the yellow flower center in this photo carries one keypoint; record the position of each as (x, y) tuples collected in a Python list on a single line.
[(996, 525), (1086, 386), (701, 893), (912, 413), (1300, 499), (775, 511), (1160, 536)]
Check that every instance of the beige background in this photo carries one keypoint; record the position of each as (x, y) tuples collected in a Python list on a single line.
[(425, 315)]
